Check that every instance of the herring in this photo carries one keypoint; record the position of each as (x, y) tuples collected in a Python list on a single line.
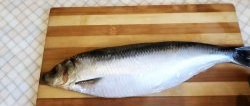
[(139, 69)]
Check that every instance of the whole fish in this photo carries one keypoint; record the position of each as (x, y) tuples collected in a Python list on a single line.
[(140, 69)]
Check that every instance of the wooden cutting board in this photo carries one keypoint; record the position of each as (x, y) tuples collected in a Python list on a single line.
[(75, 30)]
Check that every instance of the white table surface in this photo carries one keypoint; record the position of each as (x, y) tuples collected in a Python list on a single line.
[(23, 26)]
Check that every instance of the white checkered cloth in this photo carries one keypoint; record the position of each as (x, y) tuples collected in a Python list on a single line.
[(23, 26)]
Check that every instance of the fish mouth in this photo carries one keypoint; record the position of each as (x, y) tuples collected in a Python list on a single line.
[(42, 79), (46, 79)]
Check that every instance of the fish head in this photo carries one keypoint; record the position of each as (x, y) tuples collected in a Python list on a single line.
[(58, 76)]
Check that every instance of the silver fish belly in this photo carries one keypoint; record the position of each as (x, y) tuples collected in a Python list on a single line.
[(136, 70)]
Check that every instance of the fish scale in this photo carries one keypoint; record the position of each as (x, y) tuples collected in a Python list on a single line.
[(140, 69), (137, 49)]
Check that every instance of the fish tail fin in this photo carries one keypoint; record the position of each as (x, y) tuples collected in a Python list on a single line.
[(241, 56)]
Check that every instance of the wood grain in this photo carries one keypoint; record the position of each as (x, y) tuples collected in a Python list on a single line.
[(78, 29), (156, 18), (138, 29), (240, 100), (233, 39), (142, 9)]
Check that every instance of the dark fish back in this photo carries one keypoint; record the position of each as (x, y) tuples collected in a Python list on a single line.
[(143, 48)]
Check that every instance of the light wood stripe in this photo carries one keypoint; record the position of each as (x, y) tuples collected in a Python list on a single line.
[(192, 28), (185, 89), (113, 40), (239, 100), (162, 18), (142, 9)]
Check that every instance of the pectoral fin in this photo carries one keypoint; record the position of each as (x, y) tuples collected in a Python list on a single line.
[(89, 81)]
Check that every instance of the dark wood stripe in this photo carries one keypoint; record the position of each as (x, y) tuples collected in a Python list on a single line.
[(51, 57), (222, 72), (63, 53), (241, 100), (143, 29), (142, 9)]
